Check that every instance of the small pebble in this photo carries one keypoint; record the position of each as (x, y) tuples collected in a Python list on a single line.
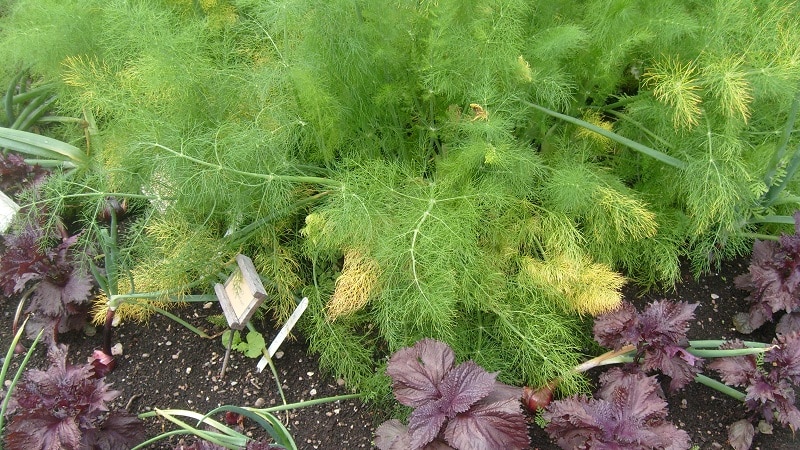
[(116, 349), (188, 370), (260, 402), (279, 354), (714, 296), (312, 392)]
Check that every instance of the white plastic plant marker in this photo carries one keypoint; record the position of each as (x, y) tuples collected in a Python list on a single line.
[(241, 294), (284, 331), (8, 208)]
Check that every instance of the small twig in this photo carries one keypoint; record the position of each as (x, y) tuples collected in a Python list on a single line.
[(131, 400), (227, 355)]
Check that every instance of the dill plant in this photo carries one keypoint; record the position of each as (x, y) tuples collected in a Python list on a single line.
[(429, 139)]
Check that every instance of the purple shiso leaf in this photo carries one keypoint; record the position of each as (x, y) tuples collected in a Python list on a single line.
[(119, 430), (489, 426), (425, 423), (635, 395), (629, 413), (787, 412), (666, 322), (789, 323), (392, 435), (736, 370), (43, 431), (675, 362), (740, 434), (617, 328), (417, 371), (463, 386), (786, 357), (761, 390), (502, 391), (572, 421)]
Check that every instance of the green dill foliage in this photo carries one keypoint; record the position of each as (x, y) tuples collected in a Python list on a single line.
[(404, 164)]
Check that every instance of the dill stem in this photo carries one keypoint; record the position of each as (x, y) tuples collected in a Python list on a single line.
[(263, 176)]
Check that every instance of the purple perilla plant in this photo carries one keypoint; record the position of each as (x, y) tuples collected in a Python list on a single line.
[(455, 406)]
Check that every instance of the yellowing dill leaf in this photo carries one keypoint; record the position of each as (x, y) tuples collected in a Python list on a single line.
[(676, 85), (354, 287)]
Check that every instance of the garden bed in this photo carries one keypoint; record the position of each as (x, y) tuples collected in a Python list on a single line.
[(164, 365)]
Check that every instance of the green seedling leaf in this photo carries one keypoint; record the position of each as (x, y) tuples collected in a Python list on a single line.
[(250, 347), (255, 343)]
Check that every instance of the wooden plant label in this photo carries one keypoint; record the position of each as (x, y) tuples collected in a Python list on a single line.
[(7, 211), (241, 294), (284, 331)]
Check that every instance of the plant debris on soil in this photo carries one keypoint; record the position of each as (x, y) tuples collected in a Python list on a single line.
[(165, 365)]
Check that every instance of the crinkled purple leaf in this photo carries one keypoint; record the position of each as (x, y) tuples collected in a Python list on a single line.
[(666, 322), (502, 391), (670, 437), (785, 359), (78, 288), (629, 413), (736, 370), (63, 384), (681, 366), (425, 423), (118, 431), (39, 429), (773, 279), (761, 390), (789, 323), (617, 328), (747, 322), (788, 414), (571, 422), (489, 426), (417, 371), (392, 435), (633, 394), (463, 386), (16, 174), (740, 434), (23, 257)]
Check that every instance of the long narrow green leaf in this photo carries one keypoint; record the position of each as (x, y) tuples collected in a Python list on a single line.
[(50, 163), (8, 100), (235, 441), (43, 146), (280, 434), (33, 93), (34, 115), (787, 220), (20, 369), (28, 110), (641, 148), (780, 149)]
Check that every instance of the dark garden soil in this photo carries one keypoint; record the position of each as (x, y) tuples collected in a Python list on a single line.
[(164, 365)]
